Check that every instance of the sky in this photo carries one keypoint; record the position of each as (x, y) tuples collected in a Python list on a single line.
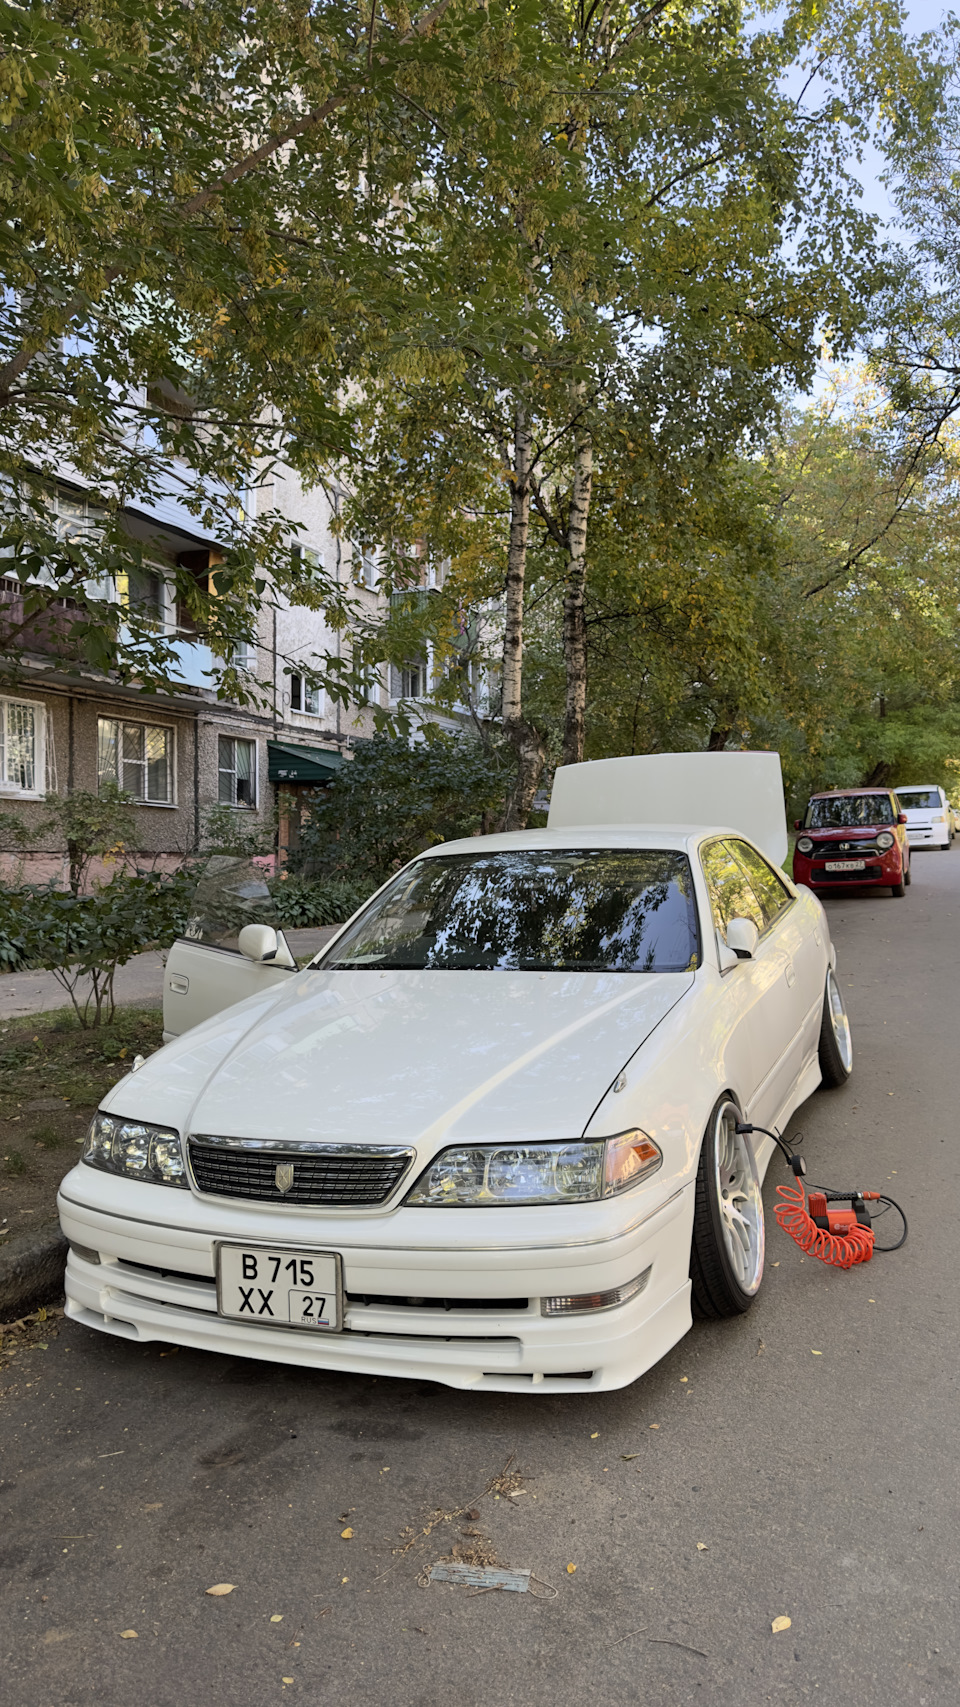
[(921, 15)]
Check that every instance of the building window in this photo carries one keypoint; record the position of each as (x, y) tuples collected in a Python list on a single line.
[(244, 656), (141, 590), (21, 733), (75, 518), (308, 569), (370, 691), (238, 772), (410, 682), (366, 569), (305, 698), (138, 757)]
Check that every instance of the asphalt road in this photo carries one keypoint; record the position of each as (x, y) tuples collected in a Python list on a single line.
[(745, 1478)]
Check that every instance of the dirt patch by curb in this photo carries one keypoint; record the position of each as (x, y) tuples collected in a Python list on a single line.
[(31, 1270)]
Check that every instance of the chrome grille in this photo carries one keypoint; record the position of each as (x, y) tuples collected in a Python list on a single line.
[(348, 1174), (843, 850)]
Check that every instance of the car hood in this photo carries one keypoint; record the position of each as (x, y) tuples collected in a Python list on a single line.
[(405, 1056), (862, 833)]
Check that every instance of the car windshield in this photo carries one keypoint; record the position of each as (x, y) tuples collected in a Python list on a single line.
[(595, 910), (918, 799), (849, 811)]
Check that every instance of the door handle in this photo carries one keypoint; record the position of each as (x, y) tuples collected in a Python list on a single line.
[(179, 984), (791, 976)]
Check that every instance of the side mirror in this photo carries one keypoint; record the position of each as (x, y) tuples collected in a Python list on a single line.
[(798, 823), (263, 943), (743, 937), (901, 817)]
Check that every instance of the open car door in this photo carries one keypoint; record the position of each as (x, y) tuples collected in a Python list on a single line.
[(231, 949), (200, 981)]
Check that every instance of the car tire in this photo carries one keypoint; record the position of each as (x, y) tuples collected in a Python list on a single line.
[(900, 888), (726, 1254), (835, 1050)]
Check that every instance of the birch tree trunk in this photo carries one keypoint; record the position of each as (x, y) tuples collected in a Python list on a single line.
[(527, 743), (574, 617)]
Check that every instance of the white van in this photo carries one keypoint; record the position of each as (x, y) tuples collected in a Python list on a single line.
[(929, 819)]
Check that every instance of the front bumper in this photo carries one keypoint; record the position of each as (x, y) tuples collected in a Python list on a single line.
[(928, 835), (155, 1281), (881, 870)]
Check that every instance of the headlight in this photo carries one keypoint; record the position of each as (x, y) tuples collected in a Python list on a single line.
[(885, 840), (804, 844), (131, 1148), (487, 1175)]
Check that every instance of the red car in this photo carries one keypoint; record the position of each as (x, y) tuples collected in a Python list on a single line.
[(853, 835)]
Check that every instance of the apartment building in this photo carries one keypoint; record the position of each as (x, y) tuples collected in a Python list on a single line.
[(180, 753)]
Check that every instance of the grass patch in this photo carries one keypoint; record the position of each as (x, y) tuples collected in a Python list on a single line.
[(53, 1075), (50, 1055)]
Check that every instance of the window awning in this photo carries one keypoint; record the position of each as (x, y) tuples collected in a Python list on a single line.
[(302, 764)]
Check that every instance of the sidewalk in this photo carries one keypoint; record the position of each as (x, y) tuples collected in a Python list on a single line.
[(139, 984)]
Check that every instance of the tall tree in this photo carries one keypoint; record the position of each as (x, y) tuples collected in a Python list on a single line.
[(212, 236), (697, 220)]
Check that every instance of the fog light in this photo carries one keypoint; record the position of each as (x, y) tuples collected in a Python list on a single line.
[(87, 1255), (581, 1303)]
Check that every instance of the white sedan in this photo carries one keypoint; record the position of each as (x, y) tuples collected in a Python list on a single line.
[(489, 1137)]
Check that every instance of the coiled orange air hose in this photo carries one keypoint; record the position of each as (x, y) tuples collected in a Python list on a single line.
[(840, 1250)]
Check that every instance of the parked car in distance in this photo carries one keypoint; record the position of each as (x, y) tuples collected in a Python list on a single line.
[(930, 819), (492, 1135), (852, 835)]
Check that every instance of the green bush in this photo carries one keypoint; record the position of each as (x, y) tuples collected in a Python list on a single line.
[(300, 904), (396, 798), (89, 936)]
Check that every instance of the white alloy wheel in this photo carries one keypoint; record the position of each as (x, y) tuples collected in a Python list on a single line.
[(739, 1202), (726, 1252), (836, 1043)]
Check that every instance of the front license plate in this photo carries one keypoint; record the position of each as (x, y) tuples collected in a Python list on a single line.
[(845, 865), (280, 1288)]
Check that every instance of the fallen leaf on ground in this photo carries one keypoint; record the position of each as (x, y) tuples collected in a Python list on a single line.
[(781, 1623), (286, 1680), (815, 1353), (221, 1588), (702, 1547), (684, 1378), (276, 1617), (346, 1534), (595, 1436), (626, 1456), (126, 1634), (654, 1425), (570, 1570), (157, 1507)]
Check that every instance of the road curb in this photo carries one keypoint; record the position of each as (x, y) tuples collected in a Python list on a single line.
[(31, 1270)]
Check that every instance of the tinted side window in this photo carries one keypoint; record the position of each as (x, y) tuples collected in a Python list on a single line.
[(731, 894), (772, 895)]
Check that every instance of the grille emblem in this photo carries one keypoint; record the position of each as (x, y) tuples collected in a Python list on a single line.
[(284, 1176)]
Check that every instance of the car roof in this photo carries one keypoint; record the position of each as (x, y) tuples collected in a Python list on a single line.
[(831, 793), (680, 837), (908, 787)]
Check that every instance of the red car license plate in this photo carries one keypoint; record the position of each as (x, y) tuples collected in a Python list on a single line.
[(845, 865)]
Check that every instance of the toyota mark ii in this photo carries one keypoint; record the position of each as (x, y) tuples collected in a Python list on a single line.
[(489, 1136)]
